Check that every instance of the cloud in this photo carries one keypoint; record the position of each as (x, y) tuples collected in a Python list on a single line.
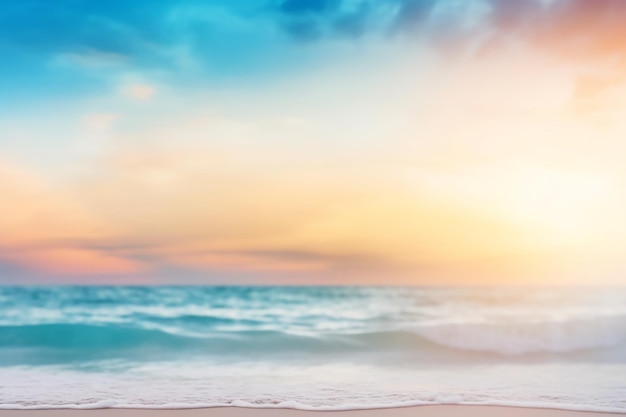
[(110, 27), (36, 223), (54, 260), (140, 92), (286, 177), (207, 209), (91, 59), (317, 20), (118, 35), (243, 261), (588, 32), (239, 38)]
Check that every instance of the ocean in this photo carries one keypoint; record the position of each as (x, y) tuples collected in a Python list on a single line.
[(314, 348)]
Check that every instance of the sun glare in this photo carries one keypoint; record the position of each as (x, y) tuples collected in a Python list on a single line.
[(565, 205)]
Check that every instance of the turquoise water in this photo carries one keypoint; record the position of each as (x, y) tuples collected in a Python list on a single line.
[(311, 347)]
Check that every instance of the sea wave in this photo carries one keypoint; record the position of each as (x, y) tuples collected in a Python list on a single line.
[(517, 338), (504, 338), (311, 348)]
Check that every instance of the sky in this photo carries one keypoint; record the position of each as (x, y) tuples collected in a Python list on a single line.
[(411, 142)]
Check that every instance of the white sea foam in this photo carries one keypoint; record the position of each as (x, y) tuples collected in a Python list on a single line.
[(520, 337), (322, 386)]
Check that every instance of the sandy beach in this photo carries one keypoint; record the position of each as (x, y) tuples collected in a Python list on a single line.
[(422, 411)]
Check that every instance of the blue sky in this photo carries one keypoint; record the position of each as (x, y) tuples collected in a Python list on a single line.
[(76, 47), (72, 47)]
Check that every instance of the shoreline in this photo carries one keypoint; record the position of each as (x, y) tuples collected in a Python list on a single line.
[(410, 411)]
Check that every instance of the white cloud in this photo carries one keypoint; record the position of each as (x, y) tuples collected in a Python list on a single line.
[(139, 92)]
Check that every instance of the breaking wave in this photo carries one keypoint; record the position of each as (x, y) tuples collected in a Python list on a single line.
[(498, 338)]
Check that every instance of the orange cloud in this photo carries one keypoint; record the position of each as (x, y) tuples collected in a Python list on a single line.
[(63, 261), (139, 92), (38, 224), (203, 212)]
